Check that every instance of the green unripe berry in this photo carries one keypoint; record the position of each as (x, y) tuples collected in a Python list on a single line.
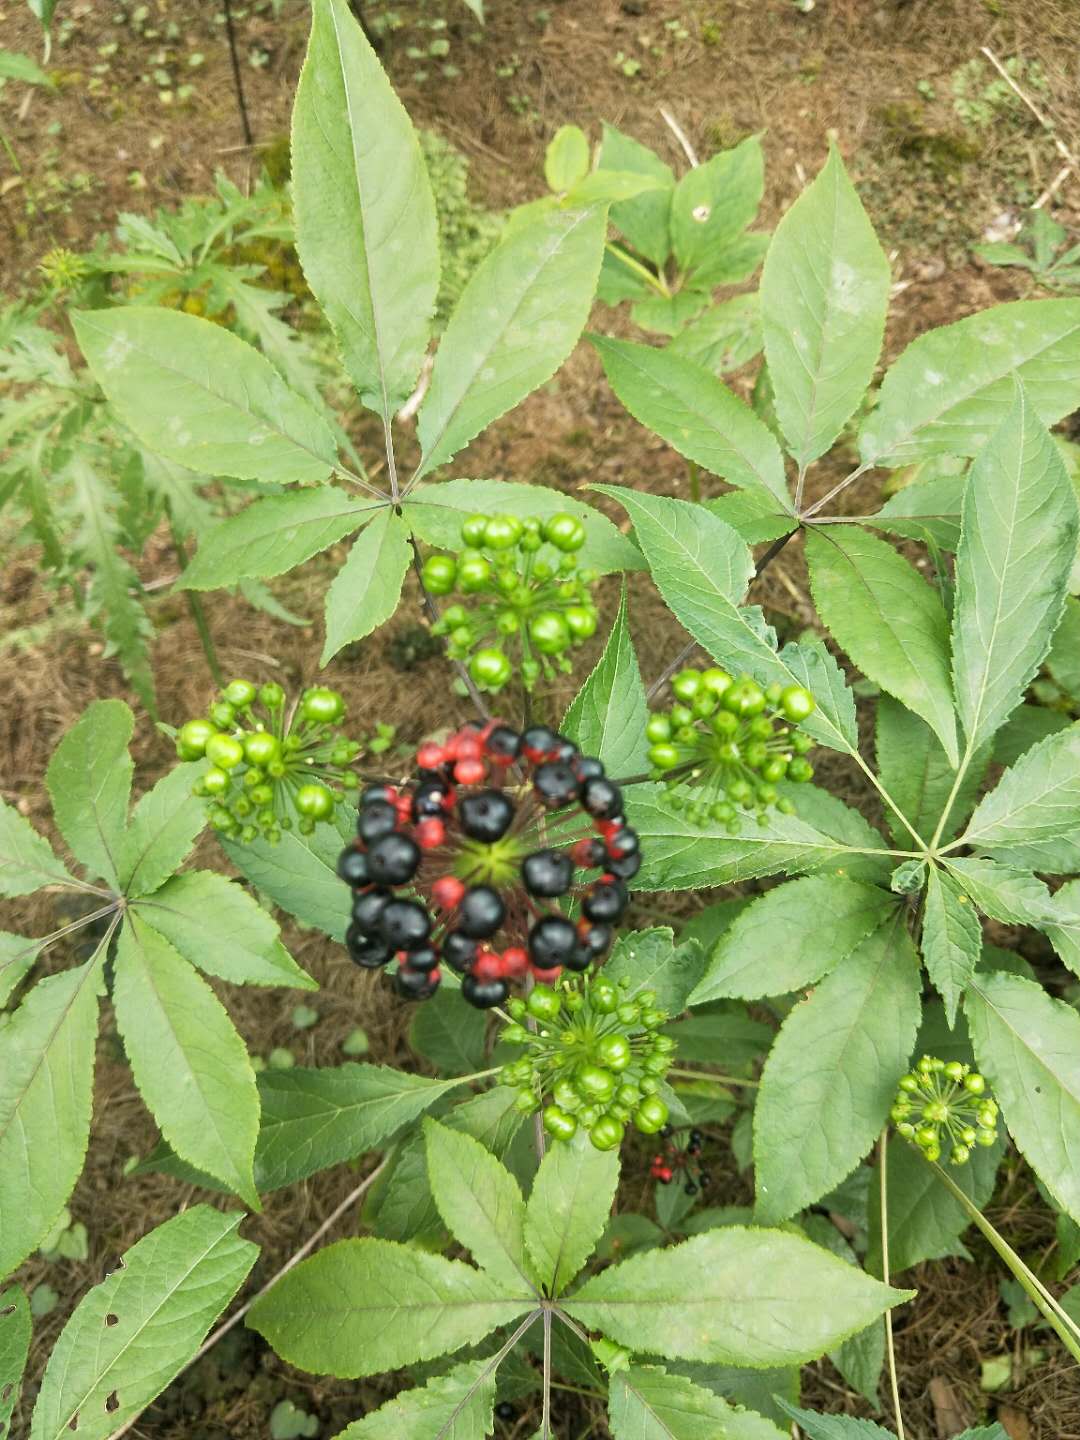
[(322, 706), (909, 1083), (594, 1083), (527, 1102), (954, 1070), (648, 1084), (797, 703), (314, 802), (239, 693), (272, 695), (607, 1133), (192, 739), (543, 1002), (549, 632), (681, 716), (705, 703), (629, 1012), (655, 1064), (502, 532), (628, 1095), (686, 685), (564, 531), (800, 743), (514, 1035), (613, 1051), (215, 782), (473, 573), (507, 622), (932, 1151), (260, 747), (651, 1115), (974, 1083), (559, 1124), (657, 729), (664, 756), (774, 769), (222, 714), (588, 1116), (566, 1097), (581, 621), (516, 1008), (716, 680), (985, 1137), (604, 997), (473, 530), (724, 723), (960, 1154), (490, 668), (224, 751), (439, 574), (800, 770), (744, 698)]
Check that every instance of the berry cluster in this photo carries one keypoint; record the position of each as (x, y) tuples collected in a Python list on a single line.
[(676, 1160), (941, 1099), (537, 602), (269, 761), (594, 1058), (731, 741), (468, 862)]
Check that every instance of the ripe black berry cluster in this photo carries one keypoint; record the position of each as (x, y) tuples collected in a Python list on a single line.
[(526, 593), (682, 1161), (594, 1058), (725, 743), (945, 1100), (474, 863), (270, 762)]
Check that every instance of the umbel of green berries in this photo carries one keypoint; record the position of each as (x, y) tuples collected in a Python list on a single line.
[(524, 597), (271, 764), (942, 1101), (594, 1058), (725, 743)]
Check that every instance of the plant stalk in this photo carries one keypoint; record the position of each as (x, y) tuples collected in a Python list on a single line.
[(883, 1179), (195, 605)]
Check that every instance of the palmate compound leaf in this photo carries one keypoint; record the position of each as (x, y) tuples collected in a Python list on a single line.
[(888, 619), (365, 214), (362, 1306), (824, 295), (735, 1296), (832, 1072), (1028, 1046), (847, 1427), (1032, 818), (1017, 545), (480, 1203), (15, 1327), (299, 873), (518, 319), (607, 716), (456, 1406), (567, 1210), (644, 220), (133, 1333), (89, 784), (200, 395), (162, 831), (366, 589), (951, 938), (26, 858), (46, 1091), (646, 1403), (190, 1065)]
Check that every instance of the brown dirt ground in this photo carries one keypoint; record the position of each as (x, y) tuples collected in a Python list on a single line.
[(849, 67)]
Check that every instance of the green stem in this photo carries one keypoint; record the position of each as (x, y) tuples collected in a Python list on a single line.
[(947, 810), (894, 1384), (640, 270), (893, 806), (720, 1079), (1065, 1328), (195, 605)]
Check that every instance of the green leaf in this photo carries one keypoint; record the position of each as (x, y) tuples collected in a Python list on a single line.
[(832, 1073), (566, 160), (568, 1209), (925, 1221), (26, 858), (362, 1306), (771, 950), (824, 295), (89, 783), (888, 619), (689, 408), (679, 855), (517, 320), (861, 1357), (753, 514), (189, 1063), (738, 1296), (951, 389), (454, 1406), (365, 216), (195, 392), (1028, 1046), (1026, 726), (927, 509), (366, 589), (646, 1403), (1017, 545), (312, 1119), (1032, 818), (136, 1331), (435, 513), (915, 771), (650, 960), (1063, 661), (607, 716), (721, 1030), (951, 938), (15, 66), (46, 1089), (835, 1427), (273, 535), (724, 337), (480, 1203), (644, 220), (17, 955), (713, 203), (215, 924), (449, 1034), (162, 832), (15, 1327), (299, 873)]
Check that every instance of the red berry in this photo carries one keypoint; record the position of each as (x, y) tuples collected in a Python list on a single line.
[(515, 961), (447, 891), (548, 977), (470, 746), (587, 854), (403, 806), (488, 966), (430, 833), (430, 756), (470, 772)]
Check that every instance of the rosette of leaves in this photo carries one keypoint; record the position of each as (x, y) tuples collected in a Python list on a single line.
[(163, 932)]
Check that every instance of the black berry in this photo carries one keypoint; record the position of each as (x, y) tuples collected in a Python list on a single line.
[(547, 873), (375, 821), (352, 866), (626, 866), (394, 860), (413, 984), (552, 941), (556, 784), (405, 924), (596, 940), (368, 951), (580, 958), (587, 768), (426, 958), (486, 815), (376, 793), (505, 1411), (429, 800), (606, 901), (504, 742), (538, 741), (459, 951), (368, 908), (484, 993), (602, 798), (481, 912)]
